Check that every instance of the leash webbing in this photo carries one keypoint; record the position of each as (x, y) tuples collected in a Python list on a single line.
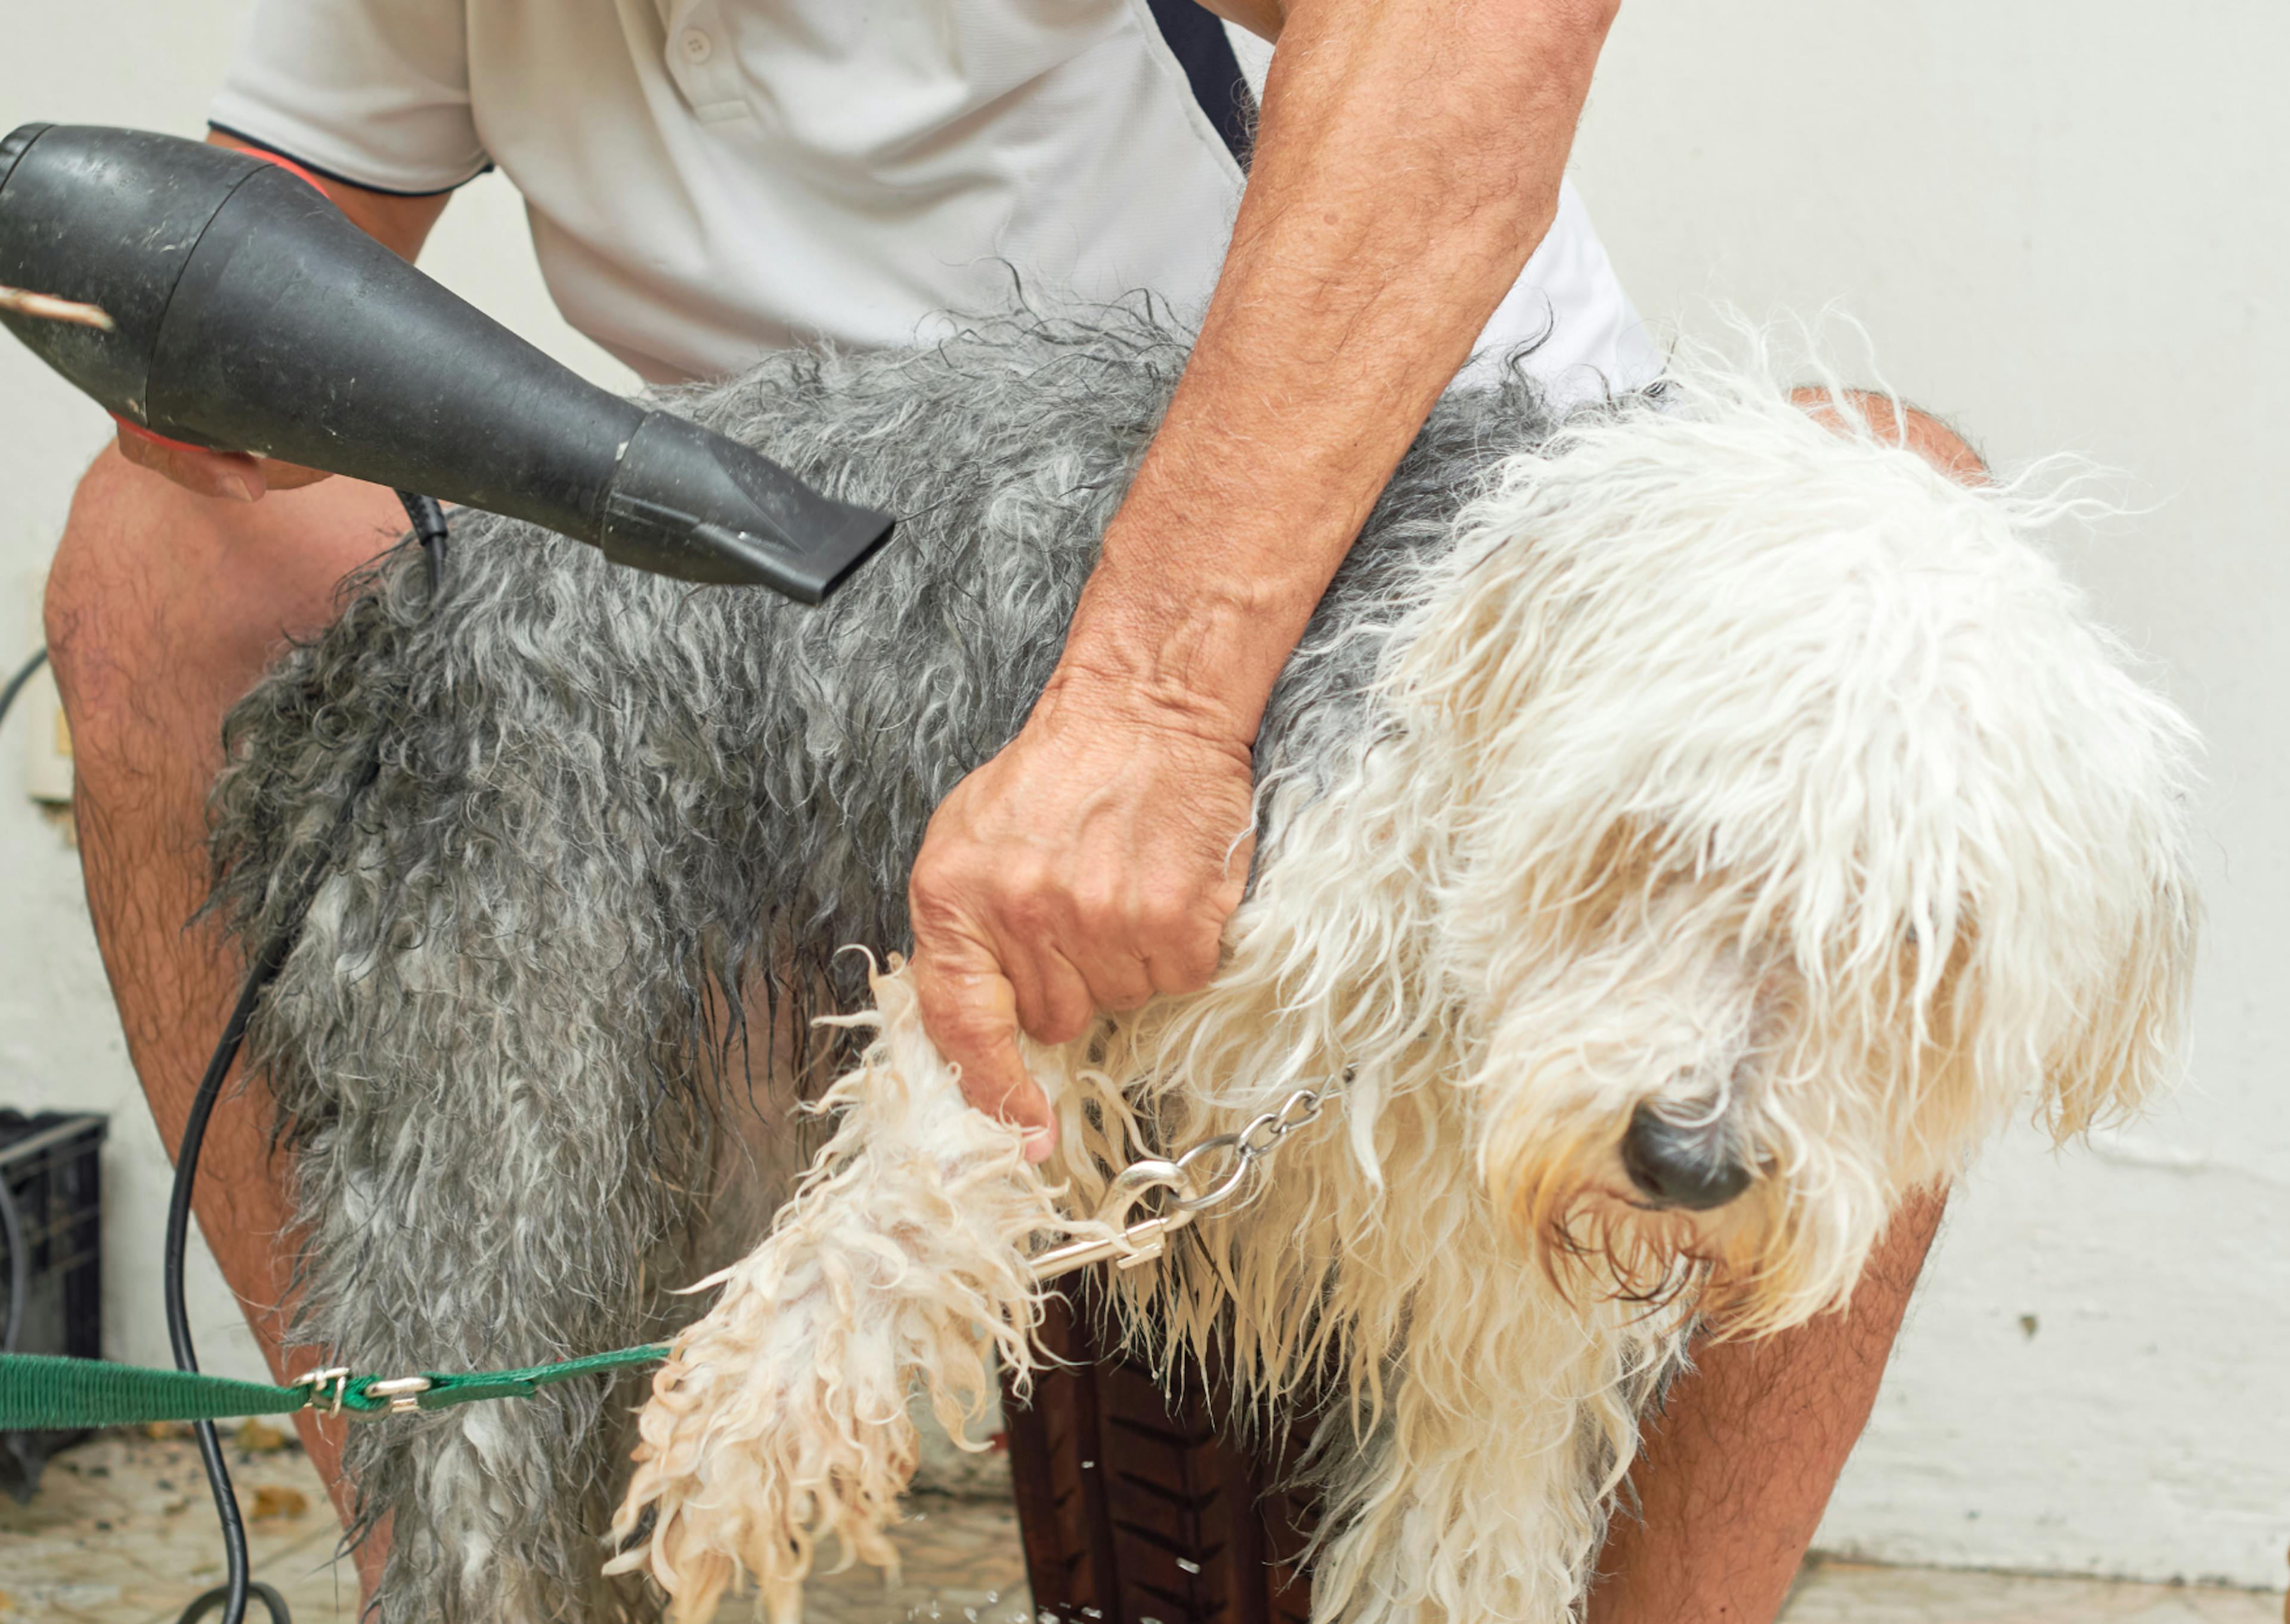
[(47, 1393)]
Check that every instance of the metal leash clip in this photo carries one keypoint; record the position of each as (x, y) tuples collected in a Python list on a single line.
[(1140, 1241), (1135, 1242), (334, 1376), (403, 1392)]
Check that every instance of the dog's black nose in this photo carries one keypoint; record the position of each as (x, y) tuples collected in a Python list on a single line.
[(1681, 1166)]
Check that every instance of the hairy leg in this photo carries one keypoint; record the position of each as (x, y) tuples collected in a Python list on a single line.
[(1738, 1467), (162, 607)]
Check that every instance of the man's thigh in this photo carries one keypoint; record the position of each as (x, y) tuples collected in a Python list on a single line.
[(163, 606)]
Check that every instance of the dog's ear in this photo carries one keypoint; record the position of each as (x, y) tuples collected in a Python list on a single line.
[(2126, 1048)]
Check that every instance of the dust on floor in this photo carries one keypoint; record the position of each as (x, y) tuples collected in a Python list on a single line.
[(123, 1533)]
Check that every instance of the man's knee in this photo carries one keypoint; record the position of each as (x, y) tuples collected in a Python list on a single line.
[(1921, 432), (163, 605), (1927, 435), (98, 612)]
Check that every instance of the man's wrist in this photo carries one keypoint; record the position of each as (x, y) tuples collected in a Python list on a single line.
[(1181, 647), (1170, 687)]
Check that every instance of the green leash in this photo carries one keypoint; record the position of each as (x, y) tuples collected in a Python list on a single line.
[(44, 1392)]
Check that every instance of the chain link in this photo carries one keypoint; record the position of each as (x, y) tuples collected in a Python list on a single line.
[(1186, 1187), (1252, 1145)]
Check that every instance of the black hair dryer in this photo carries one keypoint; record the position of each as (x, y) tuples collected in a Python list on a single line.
[(247, 314)]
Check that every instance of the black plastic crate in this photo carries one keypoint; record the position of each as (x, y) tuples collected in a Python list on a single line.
[(50, 1259)]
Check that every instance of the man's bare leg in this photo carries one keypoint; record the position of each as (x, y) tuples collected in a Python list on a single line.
[(162, 608), (1738, 1467)]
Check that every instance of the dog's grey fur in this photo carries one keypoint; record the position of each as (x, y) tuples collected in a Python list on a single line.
[(608, 805)]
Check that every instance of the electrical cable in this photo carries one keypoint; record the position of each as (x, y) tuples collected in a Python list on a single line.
[(234, 1592), (429, 520), (428, 523), (12, 1221), (24, 673)]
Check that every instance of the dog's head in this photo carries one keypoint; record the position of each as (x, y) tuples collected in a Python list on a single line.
[(1799, 825)]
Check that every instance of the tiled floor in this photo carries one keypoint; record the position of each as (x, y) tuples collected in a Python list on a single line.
[(123, 1533), (961, 1566)]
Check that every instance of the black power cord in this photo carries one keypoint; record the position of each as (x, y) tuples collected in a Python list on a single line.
[(24, 673), (233, 1596), (12, 1221), (429, 523), (233, 1592)]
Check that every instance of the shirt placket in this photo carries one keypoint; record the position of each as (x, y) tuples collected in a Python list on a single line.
[(700, 61)]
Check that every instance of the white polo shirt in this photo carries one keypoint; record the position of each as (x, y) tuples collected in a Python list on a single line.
[(708, 180)]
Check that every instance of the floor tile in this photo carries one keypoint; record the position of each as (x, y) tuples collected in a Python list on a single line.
[(960, 1564), (122, 1530), (123, 1533)]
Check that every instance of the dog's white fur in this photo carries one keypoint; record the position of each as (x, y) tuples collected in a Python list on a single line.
[(1740, 767)]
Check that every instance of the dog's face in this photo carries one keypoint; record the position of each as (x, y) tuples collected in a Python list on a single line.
[(1671, 1101), (1800, 830)]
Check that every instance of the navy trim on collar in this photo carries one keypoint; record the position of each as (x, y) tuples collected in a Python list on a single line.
[(1204, 51)]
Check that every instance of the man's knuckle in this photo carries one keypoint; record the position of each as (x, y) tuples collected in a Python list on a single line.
[(1033, 909), (939, 910), (1166, 916), (1175, 922), (1102, 903), (1127, 994), (935, 873), (1032, 874), (1197, 961)]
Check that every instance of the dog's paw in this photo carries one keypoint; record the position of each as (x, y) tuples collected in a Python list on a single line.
[(780, 1422)]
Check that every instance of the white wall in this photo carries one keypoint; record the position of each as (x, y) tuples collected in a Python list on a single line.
[(2063, 221)]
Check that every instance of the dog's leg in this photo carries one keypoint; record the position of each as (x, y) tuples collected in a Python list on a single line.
[(481, 1051), (1483, 1490), (781, 1418)]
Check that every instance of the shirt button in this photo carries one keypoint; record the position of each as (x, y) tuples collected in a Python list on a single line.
[(697, 46)]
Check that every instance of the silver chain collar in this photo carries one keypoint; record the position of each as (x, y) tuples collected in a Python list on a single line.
[(1196, 1183)]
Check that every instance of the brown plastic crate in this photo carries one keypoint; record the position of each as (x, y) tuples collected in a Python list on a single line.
[(50, 1169), (1137, 1509)]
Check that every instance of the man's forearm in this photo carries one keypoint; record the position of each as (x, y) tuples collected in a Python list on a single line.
[(1407, 163)]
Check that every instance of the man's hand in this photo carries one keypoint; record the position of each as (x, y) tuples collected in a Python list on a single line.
[(1089, 865), (231, 477), (1407, 163)]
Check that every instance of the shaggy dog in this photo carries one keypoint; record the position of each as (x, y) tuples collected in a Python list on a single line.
[(1686, 829)]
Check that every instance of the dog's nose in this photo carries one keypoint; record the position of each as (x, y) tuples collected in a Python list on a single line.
[(1681, 1166)]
